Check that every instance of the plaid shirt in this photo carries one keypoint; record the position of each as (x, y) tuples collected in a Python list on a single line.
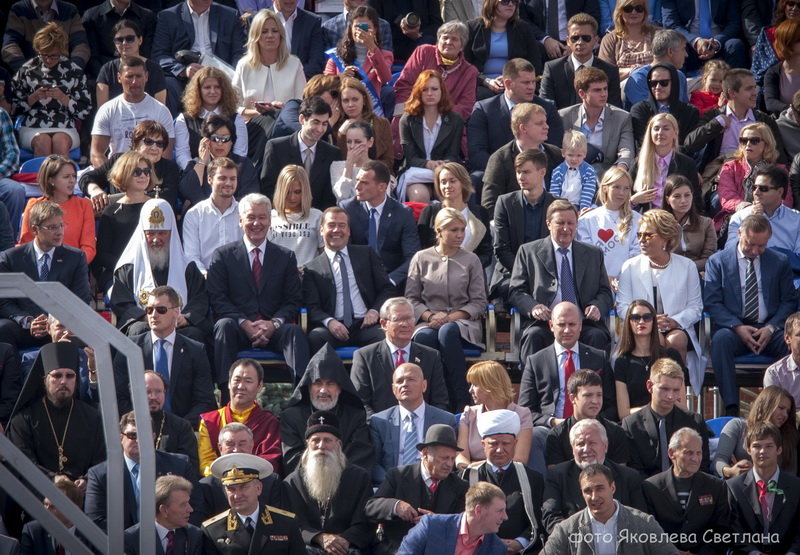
[(334, 29), (9, 151)]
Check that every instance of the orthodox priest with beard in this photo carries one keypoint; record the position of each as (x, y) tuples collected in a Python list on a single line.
[(154, 256), (326, 385), (328, 494)]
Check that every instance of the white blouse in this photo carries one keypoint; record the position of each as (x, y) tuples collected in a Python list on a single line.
[(268, 83)]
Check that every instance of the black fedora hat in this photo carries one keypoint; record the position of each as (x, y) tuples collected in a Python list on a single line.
[(439, 434)]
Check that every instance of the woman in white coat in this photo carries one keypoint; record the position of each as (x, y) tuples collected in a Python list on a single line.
[(669, 282)]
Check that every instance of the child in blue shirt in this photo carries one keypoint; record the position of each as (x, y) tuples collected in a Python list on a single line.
[(574, 179)]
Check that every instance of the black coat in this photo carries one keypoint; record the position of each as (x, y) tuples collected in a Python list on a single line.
[(214, 501), (10, 380), (188, 540), (177, 436), (447, 145), (558, 448), (427, 233), (559, 78), (535, 11), (521, 44), (276, 533), (641, 112)]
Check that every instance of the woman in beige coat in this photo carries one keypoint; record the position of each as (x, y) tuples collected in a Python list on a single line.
[(447, 288)]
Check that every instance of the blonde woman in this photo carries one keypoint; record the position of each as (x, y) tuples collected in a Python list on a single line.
[(658, 158), (268, 75), (628, 46), (612, 226), (491, 389), (295, 224)]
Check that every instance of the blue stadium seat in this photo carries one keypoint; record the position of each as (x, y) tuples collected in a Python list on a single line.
[(25, 154)]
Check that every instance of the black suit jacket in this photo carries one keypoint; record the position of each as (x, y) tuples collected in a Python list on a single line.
[(559, 78), (642, 430), (683, 165), (191, 389), (509, 227), (521, 44), (67, 265), (398, 241), (307, 42), (283, 151), (97, 487), (687, 116), (214, 501), (405, 483), (756, 14), (446, 147), (558, 448), (319, 287), (563, 497), (535, 11), (489, 128), (708, 505), (188, 540), (785, 513), (10, 381), (372, 370), (539, 390), (428, 11)]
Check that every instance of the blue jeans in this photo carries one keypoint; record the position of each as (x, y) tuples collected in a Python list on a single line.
[(447, 340), (12, 194)]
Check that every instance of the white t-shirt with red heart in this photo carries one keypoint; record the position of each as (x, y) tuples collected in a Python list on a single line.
[(600, 227)]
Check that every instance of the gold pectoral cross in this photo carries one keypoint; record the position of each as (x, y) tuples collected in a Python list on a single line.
[(61, 458)]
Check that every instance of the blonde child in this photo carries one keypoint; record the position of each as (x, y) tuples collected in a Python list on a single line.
[(574, 179), (708, 97)]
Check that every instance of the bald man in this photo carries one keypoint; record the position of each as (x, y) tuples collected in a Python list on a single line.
[(397, 430)]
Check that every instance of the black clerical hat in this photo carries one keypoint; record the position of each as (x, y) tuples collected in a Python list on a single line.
[(323, 421)]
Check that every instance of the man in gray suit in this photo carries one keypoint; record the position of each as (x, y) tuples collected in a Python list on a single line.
[(608, 129), (396, 430), (555, 269)]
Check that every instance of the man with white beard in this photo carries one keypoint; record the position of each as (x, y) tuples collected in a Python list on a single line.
[(154, 256), (328, 495), (562, 492), (326, 385)]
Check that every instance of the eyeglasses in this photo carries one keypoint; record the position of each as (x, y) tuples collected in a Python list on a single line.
[(508, 2), (139, 172), (160, 309), (221, 138), (751, 140), (151, 142), (51, 57), (645, 235), (54, 227), (764, 188), (126, 38), (659, 83), (131, 435), (642, 317), (585, 38), (638, 8)]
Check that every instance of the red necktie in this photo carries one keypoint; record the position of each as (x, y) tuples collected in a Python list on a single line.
[(170, 543), (256, 266), (60, 550), (569, 369), (762, 499), (433, 486), (400, 357)]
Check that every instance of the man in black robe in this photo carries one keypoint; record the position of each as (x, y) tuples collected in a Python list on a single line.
[(10, 380), (173, 433), (154, 256), (326, 385), (328, 494), (56, 431)]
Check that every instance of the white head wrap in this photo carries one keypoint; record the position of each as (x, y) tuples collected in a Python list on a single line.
[(498, 422)]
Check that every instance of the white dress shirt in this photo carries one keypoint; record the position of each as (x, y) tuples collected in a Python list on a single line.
[(162, 532), (559, 258), (394, 348), (205, 228), (742, 260), (561, 357), (605, 535), (359, 307), (169, 346), (594, 136), (202, 34), (379, 209), (39, 254), (288, 25), (429, 135), (420, 412), (576, 64)]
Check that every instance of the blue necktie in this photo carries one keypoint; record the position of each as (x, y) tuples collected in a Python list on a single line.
[(347, 300), (410, 453), (135, 480), (372, 237), (567, 281), (162, 368), (705, 19), (44, 269)]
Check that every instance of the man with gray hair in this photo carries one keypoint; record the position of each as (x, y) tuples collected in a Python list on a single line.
[(374, 365), (255, 294), (684, 490), (562, 493), (669, 46)]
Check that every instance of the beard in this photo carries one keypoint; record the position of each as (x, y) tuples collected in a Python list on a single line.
[(159, 259), (325, 404), (322, 472), (582, 465)]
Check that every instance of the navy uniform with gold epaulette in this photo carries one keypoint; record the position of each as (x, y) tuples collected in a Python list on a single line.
[(275, 533)]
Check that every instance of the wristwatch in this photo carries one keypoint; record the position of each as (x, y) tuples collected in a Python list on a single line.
[(276, 323)]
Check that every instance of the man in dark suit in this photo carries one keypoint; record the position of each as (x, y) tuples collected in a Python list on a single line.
[(765, 500), (408, 491), (560, 74), (303, 35), (45, 258), (304, 148), (650, 428), (585, 390), (562, 493), (749, 294), (174, 534), (756, 15), (35, 537), (489, 126), (181, 361), (519, 217), (396, 430), (683, 490), (344, 288), (382, 223), (548, 28), (97, 477), (523, 531), (249, 312), (529, 126), (542, 277), (202, 26), (374, 365), (405, 36)]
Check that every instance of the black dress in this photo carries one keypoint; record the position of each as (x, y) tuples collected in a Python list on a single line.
[(117, 224), (634, 371)]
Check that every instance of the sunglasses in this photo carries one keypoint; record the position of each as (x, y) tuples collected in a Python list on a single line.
[(221, 138), (508, 2), (638, 8), (791, 4), (659, 83), (751, 140), (139, 172), (645, 235), (160, 309), (158, 143), (126, 38), (131, 435), (764, 188), (642, 317), (585, 38)]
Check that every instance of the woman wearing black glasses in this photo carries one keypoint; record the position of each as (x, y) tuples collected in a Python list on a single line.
[(628, 45), (639, 346), (127, 42), (218, 137), (495, 37), (670, 283)]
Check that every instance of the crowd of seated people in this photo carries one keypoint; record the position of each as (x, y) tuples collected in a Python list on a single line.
[(351, 193)]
